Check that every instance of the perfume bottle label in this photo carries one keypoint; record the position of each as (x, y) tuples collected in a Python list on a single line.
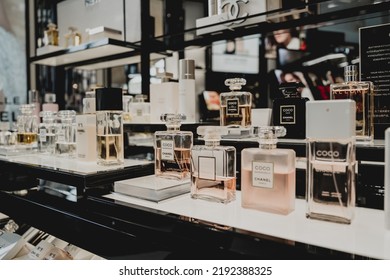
[(330, 185), (263, 174), (167, 152), (232, 106), (42, 135), (325, 151), (287, 114), (207, 168), (61, 136)]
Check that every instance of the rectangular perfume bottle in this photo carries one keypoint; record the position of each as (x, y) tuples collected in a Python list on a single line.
[(331, 163), (213, 167), (173, 149), (363, 94), (268, 175)]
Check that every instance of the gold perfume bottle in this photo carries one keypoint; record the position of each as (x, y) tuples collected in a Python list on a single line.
[(51, 35)]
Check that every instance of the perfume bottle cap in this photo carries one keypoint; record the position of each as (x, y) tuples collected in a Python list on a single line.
[(268, 135), (165, 76), (109, 99), (140, 98), (46, 115), (67, 115), (50, 97), (350, 73), (212, 133), (187, 69), (235, 83), (331, 119), (26, 108), (292, 89), (173, 120)]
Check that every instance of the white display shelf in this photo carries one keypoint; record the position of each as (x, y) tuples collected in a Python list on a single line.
[(366, 236)]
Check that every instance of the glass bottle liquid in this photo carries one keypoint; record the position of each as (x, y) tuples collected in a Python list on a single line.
[(290, 111), (331, 163), (47, 132), (172, 149), (268, 174), (109, 126), (213, 167), (235, 105), (363, 94), (27, 127), (66, 133)]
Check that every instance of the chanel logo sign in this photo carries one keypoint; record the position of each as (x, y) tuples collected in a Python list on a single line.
[(232, 9)]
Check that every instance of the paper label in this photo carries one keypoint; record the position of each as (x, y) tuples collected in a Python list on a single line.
[(167, 152), (263, 174), (42, 135), (287, 114), (206, 168), (232, 106)]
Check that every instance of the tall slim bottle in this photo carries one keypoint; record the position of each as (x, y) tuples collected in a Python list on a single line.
[(363, 94), (109, 126), (188, 98), (331, 163), (268, 174), (213, 167), (172, 149)]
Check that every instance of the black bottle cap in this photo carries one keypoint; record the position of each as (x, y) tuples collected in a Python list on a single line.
[(291, 89), (109, 99)]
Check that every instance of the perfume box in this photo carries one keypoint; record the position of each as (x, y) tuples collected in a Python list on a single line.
[(101, 32), (152, 188)]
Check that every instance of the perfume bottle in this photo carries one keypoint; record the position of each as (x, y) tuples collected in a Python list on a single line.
[(363, 94), (47, 132), (34, 98), (126, 100), (188, 99), (51, 35), (109, 126), (213, 167), (173, 149), (66, 133), (86, 129), (290, 111), (268, 174), (139, 109), (235, 105), (72, 38), (331, 163), (50, 103), (27, 127)]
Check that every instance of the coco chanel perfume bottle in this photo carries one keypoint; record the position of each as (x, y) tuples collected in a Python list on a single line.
[(173, 149), (330, 181), (268, 174), (363, 94), (235, 105), (290, 111), (213, 167), (109, 126)]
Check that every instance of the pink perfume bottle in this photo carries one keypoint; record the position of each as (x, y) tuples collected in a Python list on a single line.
[(268, 174)]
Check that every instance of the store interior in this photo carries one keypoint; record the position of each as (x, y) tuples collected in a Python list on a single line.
[(297, 87)]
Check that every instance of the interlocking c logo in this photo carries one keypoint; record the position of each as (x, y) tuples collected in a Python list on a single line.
[(233, 10)]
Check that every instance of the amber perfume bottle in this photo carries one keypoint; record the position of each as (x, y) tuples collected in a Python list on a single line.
[(172, 149), (363, 94), (331, 162), (213, 167), (27, 126), (235, 105), (268, 174), (290, 111)]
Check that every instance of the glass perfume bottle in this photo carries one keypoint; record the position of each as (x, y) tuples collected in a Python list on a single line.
[(363, 94), (139, 109), (51, 35), (290, 111), (66, 133), (213, 167), (47, 132), (27, 127), (331, 163), (109, 126), (173, 149), (235, 105), (73, 37), (50, 103), (268, 174)]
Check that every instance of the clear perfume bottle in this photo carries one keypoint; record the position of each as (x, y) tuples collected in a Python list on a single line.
[(235, 105), (290, 111), (27, 127), (47, 132), (268, 174), (213, 167), (66, 133), (173, 149), (73, 37), (51, 35), (331, 163), (109, 126), (363, 94)]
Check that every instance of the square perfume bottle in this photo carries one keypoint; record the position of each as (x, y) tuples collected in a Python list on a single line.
[(268, 174), (331, 163), (363, 94), (172, 149), (213, 167), (290, 111)]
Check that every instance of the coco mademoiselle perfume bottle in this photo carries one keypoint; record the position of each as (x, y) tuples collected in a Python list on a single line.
[(290, 111), (172, 149), (363, 94), (331, 163), (235, 105), (268, 174), (213, 167)]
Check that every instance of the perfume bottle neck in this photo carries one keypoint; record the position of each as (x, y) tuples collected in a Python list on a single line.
[(173, 127), (268, 146), (211, 143)]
